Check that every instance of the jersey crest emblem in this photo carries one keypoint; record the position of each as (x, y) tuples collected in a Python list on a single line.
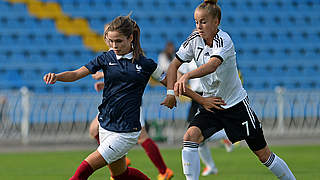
[(138, 68)]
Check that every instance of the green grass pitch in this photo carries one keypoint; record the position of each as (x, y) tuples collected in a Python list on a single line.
[(239, 164)]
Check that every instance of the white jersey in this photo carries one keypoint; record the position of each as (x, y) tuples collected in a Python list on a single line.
[(225, 81), (195, 84)]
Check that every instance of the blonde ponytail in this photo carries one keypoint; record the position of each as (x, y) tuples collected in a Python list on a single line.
[(212, 7)]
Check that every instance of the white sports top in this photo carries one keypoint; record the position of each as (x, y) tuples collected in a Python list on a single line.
[(225, 81), (195, 84)]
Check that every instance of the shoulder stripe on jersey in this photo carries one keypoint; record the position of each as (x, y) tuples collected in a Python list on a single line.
[(191, 36), (218, 40)]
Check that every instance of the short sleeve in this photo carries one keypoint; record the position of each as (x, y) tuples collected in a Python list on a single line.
[(187, 67), (158, 74), (186, 51), (94, 65), (224, 47), (150, 65)]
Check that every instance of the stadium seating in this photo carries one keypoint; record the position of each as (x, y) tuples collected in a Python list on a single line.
[(276, 40)]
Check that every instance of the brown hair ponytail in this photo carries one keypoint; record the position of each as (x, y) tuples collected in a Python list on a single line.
[(105, 31), (137, 50)]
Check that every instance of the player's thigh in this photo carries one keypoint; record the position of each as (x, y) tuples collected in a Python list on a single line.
[(95, 160), (118, 167), (143, 135), (94, 127)]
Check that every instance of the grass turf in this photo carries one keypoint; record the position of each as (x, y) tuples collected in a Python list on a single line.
[(239, 164)]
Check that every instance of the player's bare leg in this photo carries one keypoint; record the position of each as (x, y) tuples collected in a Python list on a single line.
[(94, 129), (93, 162)]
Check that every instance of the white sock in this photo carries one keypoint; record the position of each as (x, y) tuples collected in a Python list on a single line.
[(190, 160), (279, 168), (217, 136), (205, 155)]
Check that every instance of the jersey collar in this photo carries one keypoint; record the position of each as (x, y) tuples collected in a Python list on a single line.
[(126, 56)]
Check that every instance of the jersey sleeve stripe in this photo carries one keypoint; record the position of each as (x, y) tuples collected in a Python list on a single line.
[(191, 36), (179, 58), (217, 56)]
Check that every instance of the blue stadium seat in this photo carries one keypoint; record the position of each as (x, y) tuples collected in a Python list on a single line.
[(273, 45)]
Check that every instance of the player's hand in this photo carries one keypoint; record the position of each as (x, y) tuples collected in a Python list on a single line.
[(170, 101), (50, 78), (98, 86), (181, 84), (212, 102), (98, 75)]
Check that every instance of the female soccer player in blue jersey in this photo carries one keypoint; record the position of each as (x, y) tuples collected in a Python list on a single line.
[(126, 74), (215, 57), (149, 146)]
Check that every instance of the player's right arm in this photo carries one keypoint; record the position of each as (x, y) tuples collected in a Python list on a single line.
[(67, 76)]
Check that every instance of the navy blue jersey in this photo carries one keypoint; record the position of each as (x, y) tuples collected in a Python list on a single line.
[(122, 94)]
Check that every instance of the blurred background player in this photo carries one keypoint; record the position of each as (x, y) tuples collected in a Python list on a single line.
[(215, 56), (166, 56), (119, 126), (204, 150), (149, 146)]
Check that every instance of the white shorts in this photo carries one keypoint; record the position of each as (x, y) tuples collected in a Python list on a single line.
[(114, 145)]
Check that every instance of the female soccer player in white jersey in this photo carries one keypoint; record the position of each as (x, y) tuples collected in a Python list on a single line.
[(215, 56), (126, 74)]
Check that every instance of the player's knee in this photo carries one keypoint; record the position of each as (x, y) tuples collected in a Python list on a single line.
[(94, 127), (92, 135), (142, 139), (263, 154), (93, 132), (193, 134), (143, 136)]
